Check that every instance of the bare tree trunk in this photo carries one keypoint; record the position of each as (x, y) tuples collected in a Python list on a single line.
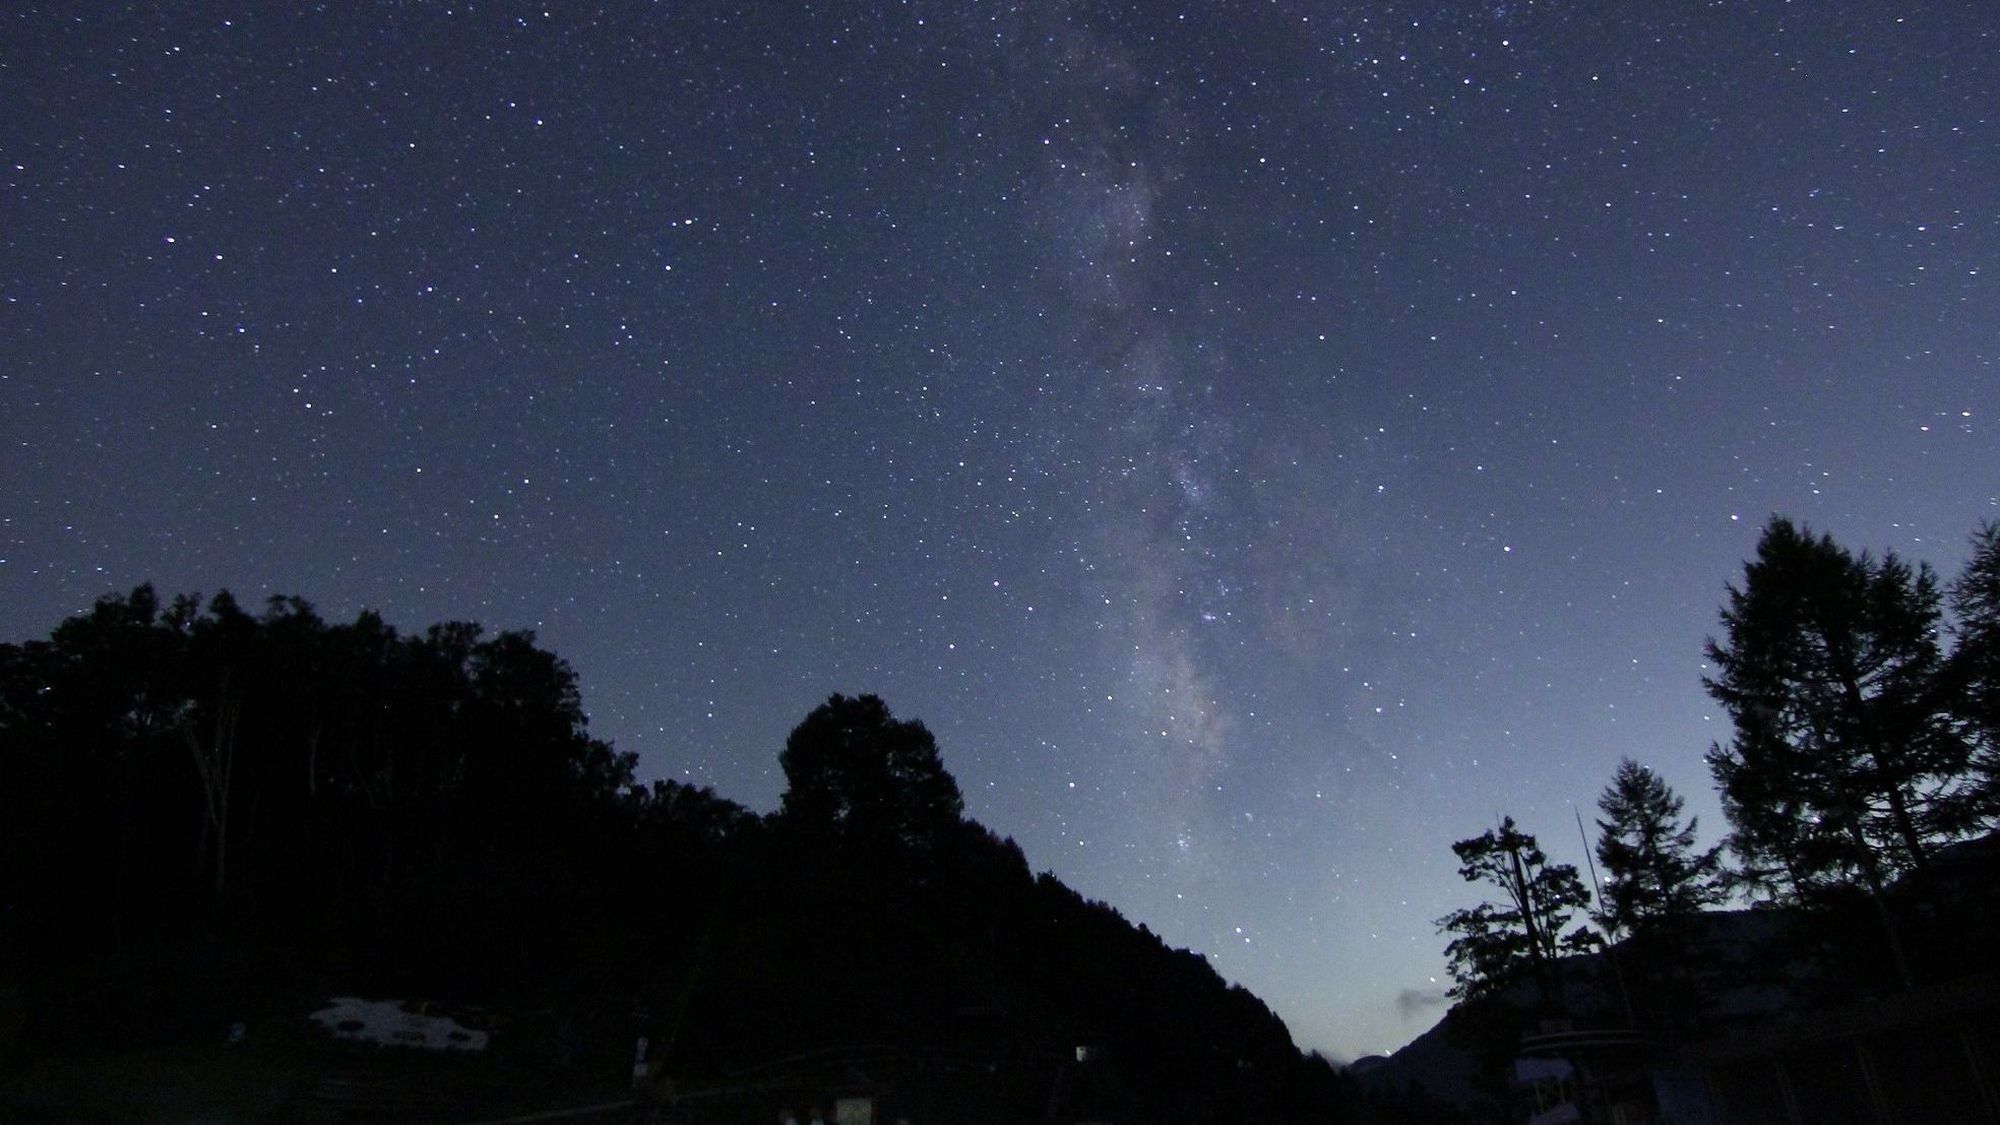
[(1872, 872), (1541, 947), (1906, 827), (214, 764)]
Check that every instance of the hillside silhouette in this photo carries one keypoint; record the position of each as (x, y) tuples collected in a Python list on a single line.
[(214, 816)]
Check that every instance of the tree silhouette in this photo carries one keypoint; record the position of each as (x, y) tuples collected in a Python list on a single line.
[(1522, 936), (197, 769), (207, 813), (1657, 884), (1655, 878), (853, 769), (1974, 676), (1843, 766)]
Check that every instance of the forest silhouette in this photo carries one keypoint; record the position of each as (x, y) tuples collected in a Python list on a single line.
[(213, 815)]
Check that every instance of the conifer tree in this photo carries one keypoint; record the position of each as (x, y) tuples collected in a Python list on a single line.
[(1844, 769), (1655, 878), (1974, 677)]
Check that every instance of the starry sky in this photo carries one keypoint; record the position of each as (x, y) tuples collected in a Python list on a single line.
[(1263, 442)]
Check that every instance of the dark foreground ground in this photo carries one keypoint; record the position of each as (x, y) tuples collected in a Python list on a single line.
[(284, 1078)]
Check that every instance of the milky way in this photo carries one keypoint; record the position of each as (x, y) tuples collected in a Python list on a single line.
[(1263, 445)]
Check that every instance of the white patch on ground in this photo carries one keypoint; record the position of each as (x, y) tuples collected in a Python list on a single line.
[(395, 1023)]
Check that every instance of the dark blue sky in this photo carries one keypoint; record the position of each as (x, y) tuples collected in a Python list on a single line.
[(1264, 443)]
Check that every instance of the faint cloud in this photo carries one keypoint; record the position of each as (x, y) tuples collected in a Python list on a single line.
[(1414, 1003)]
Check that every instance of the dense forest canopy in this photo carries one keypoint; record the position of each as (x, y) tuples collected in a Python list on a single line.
[(271, 806)]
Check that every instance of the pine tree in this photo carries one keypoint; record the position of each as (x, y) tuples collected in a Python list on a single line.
[(1656, 879), (1974, 677), (1844, 768)]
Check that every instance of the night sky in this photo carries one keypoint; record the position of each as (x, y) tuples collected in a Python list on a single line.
[(1263, 442)]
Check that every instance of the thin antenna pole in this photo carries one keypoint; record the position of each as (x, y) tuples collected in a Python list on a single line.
[(1610, 947)]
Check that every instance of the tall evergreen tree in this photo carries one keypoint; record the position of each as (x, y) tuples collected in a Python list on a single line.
[(1974, 675), (1655, 878), (1843, 767), (1520, 937)]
